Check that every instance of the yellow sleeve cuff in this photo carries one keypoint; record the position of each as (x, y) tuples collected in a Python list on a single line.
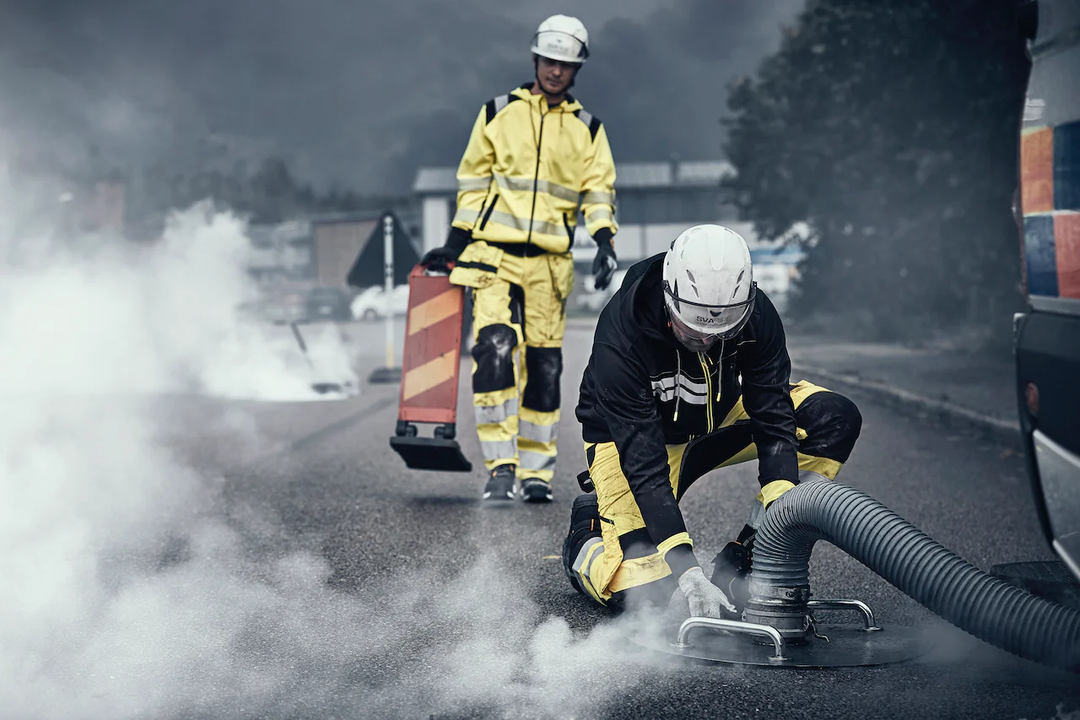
[(773, 490), (682, 538)]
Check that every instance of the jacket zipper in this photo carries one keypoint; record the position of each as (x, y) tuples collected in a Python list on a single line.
[(708, 392), (536, 175)]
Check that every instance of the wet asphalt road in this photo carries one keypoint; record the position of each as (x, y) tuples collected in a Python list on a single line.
[(433, 605)]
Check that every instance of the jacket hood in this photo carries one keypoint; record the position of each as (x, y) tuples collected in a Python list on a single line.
[(644, 299)]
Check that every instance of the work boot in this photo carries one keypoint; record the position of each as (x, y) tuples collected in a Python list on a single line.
[(584, 524), (731, 573), (500, 484), (535, 490)]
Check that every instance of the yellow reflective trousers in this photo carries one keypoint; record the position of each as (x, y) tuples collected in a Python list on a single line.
[(625, 558), (519, 320)]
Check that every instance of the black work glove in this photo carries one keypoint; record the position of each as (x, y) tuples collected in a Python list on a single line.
[(441, 257), (604, 264), (731, 570)]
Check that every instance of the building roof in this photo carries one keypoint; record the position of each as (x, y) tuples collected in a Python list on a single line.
[(629, 176), (435, 180)]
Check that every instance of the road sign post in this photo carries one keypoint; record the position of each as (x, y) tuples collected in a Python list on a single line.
[(390, 372)]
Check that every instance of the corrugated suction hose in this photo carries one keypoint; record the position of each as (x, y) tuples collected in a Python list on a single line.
[(989, 609)]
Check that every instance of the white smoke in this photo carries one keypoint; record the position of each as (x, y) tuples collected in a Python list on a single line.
[(155, 319), (127, 592)]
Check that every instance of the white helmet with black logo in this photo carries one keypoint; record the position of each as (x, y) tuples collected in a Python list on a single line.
[(709, 284), (562, 38)]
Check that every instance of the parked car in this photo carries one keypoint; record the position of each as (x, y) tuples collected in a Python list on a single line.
[(278, 309), (371, 303), (328, 303)]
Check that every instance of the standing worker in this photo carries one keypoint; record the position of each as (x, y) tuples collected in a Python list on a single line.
[(534, 159)]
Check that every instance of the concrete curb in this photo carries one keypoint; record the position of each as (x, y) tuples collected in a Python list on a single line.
[(949, 414)]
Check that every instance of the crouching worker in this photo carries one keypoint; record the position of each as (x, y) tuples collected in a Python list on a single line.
[(690, 372)]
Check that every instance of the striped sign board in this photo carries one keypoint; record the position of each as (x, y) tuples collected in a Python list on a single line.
[(432, 355)]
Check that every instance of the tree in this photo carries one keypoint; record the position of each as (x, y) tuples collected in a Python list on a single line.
[(892, 132)]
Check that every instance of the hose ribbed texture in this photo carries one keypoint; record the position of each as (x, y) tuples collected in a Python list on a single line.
[(991, 610)]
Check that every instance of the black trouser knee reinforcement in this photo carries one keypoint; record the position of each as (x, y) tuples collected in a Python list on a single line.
[(494, 356), (832, 424), (544, 367)]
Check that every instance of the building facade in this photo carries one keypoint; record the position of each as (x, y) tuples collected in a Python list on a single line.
[(654, 202)]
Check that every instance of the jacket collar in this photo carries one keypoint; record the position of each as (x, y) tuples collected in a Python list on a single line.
[(569, 104)]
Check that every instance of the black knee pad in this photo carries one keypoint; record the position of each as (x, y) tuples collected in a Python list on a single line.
[(832, 424), (544, 367), (494, 356)]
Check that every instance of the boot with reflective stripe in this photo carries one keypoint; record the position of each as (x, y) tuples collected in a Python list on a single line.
[(535, 490), (500, 484), (584, 524)]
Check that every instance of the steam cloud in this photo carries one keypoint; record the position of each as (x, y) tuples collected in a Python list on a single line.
[(132, 591), (127, 592)]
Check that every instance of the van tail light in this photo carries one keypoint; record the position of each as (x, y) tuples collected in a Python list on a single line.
[(1031, 398)]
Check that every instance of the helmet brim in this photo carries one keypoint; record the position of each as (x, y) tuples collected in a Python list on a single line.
[(710, 321), (579, 59)]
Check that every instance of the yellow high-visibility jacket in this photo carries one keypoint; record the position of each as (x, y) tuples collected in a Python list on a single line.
[(527, 169)]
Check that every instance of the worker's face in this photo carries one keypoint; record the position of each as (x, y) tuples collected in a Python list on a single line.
[(554, 76), (689, 338)]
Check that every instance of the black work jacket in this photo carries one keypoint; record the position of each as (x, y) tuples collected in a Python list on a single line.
[(643, 391)]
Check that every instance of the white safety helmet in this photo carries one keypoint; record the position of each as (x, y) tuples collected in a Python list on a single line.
[(709, 284), (562, 38)]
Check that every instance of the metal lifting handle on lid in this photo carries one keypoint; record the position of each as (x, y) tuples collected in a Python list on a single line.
[(735, 626)]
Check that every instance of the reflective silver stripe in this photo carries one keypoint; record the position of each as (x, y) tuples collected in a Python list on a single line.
[(517, 184), (683, 393), (535, 461), (522, 224), (597, 197), (498, 450), (579, 561), (538, 433), (668, 383), (585, 116), (690, 391), (501, 102), (545, 186), (467, 184), (466, 215), (493, 414), (599, 213), (560, 191)]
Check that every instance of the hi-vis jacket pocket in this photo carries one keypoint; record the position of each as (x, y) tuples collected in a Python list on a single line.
[(477, 266), (562, 275)]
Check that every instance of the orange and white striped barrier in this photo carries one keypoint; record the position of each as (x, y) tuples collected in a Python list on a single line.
[(429, 374)]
